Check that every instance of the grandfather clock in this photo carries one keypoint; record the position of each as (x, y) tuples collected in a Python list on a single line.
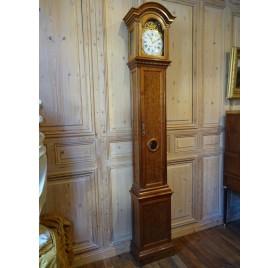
[(148, 49)]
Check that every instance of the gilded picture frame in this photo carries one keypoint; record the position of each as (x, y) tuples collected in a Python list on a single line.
[(233, 86)]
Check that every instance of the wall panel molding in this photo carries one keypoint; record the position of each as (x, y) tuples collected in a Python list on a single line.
[(65, 88), (71, 155), (120, 150), (185, 143), (214, 3), (79, 200), (212, 139), (67, 154), (121, 179), (212, 186), (118, 95), (181, 179), (213, 66), (181, 86)]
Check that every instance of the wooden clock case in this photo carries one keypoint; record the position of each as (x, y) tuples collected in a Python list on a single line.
[(151, 195)]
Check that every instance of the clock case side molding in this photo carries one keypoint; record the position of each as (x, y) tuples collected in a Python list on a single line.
[(150, 193)]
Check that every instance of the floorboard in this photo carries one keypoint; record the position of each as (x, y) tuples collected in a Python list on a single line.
[(217, 247)]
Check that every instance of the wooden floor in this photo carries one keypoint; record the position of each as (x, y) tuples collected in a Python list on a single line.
[(214, 247)]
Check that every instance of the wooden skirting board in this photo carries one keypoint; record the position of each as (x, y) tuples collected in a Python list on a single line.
[(124, 246)]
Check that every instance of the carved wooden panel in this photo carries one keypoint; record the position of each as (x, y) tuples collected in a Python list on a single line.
[(180, 95), (180, 180), (213, 65), (72, 154), (212, 140), (121, 181), (183, 143), (75, 198), (212, 185), (120, 149), (64, 68), (118, 81), (154, 213), (148, 214)]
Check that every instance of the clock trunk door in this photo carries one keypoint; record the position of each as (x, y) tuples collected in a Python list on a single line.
[(153, 127)]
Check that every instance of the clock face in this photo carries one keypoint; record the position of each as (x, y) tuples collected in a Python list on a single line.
[(152, 43)]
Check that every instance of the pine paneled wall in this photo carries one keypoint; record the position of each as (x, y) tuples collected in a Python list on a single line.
[(85, 90)]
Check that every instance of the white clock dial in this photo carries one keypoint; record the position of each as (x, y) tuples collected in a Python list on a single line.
[(152, 43)]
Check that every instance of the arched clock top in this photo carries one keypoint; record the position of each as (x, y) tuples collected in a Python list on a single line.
[(149, 8), (148, 30)]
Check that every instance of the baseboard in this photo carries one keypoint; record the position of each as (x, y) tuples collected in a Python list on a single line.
[(124, 246), (101, 254), (195, 227)]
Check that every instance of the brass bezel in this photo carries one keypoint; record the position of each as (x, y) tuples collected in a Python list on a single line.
[(149, 145), (144, 21)]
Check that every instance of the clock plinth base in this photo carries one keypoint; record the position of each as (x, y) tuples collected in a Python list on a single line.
[(151, 225), (150, 255)]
